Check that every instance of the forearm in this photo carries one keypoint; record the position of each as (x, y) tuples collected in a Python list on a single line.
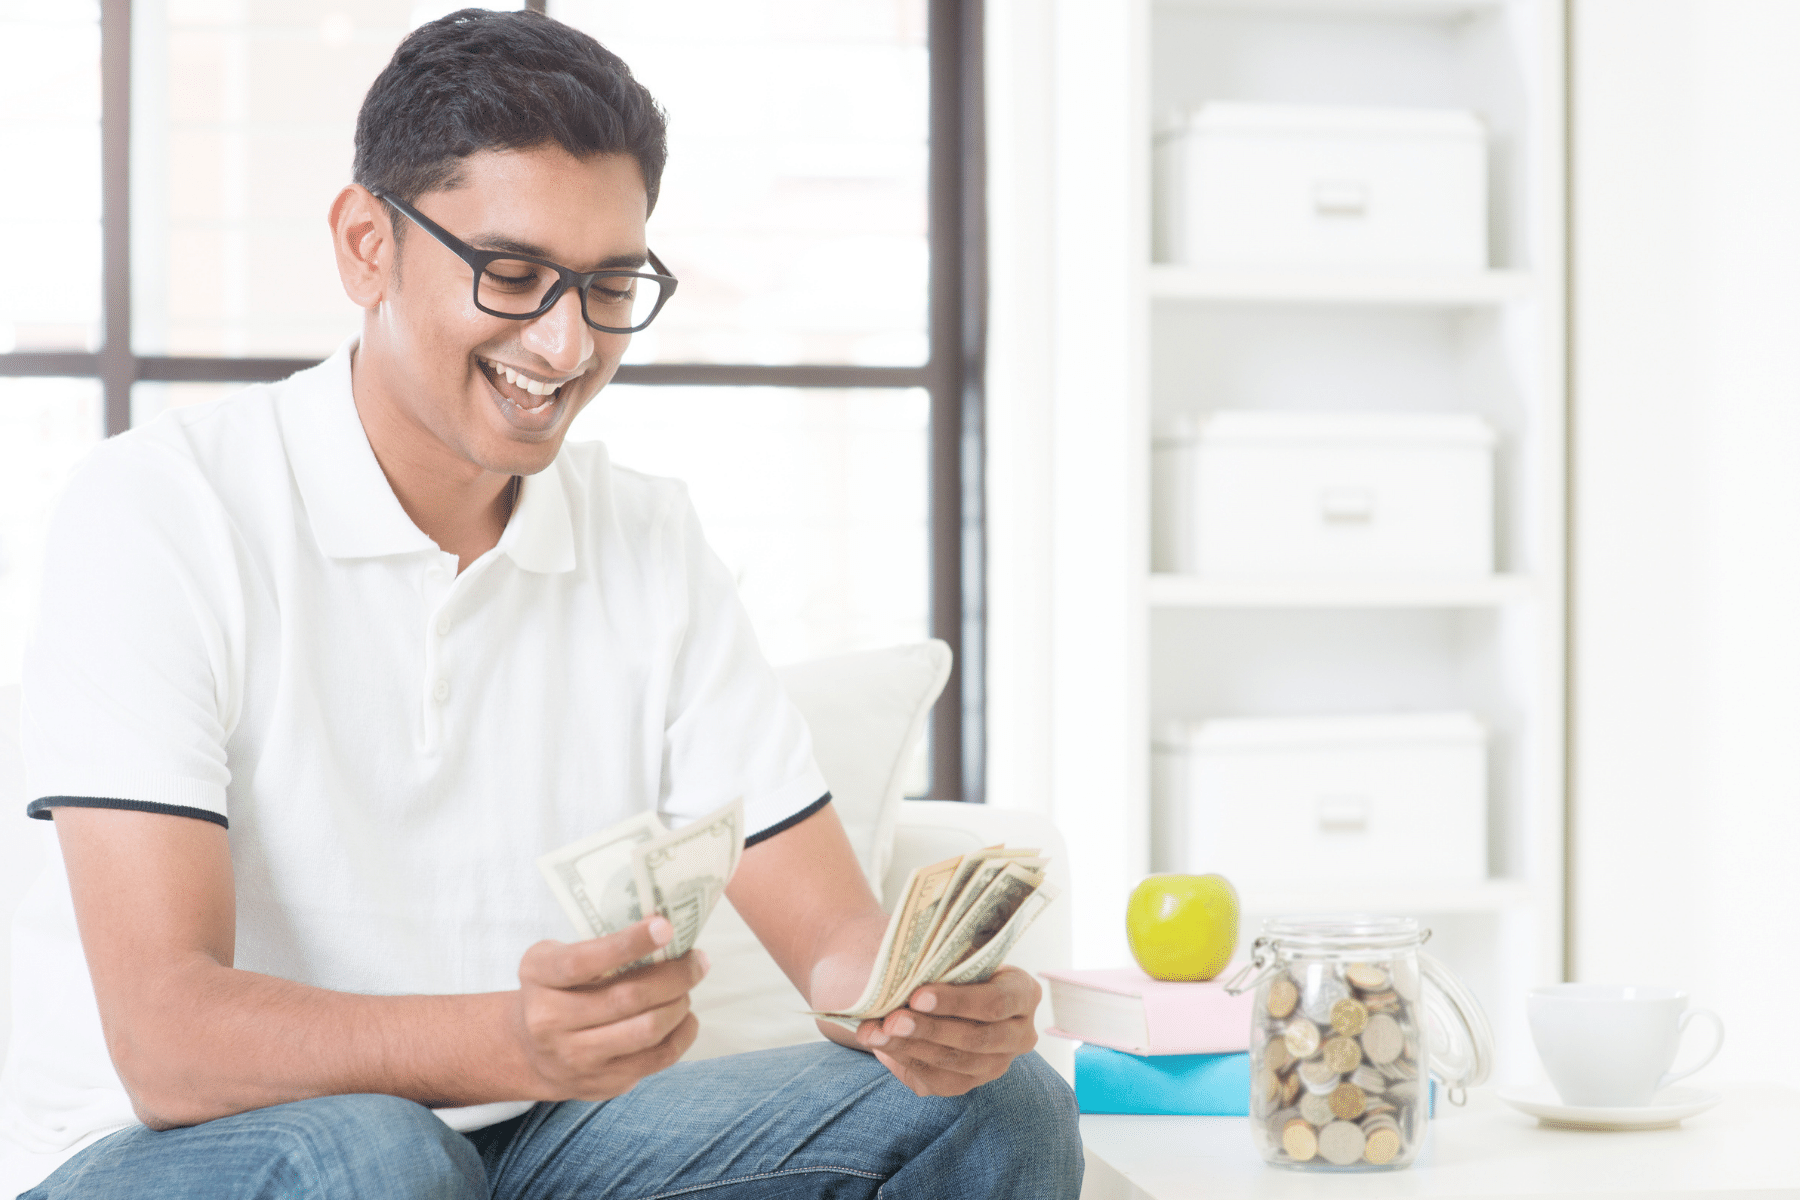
[(841, 966), (205, 1041)]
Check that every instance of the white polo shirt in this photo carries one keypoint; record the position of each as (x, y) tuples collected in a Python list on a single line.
[(240, 624)]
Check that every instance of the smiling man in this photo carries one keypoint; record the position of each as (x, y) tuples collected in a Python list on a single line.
[(324, 667)]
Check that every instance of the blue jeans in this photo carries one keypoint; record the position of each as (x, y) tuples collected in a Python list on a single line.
[(817, 1120)]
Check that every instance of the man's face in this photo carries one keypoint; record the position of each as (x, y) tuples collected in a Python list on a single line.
[(448, 379)]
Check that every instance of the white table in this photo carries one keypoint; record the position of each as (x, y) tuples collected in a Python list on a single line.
[(1748, 1146)]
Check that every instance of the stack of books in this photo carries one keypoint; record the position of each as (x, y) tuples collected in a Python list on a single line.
[(1154, 1047)]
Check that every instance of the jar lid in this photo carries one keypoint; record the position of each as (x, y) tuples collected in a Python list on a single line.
[(1340, 935), (1456, 1029)]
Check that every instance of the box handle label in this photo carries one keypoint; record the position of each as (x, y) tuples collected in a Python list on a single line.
[(1347, 505), (1344, 814), (1340, 198)]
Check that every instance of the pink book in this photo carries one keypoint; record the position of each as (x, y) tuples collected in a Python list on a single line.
[(1127, 1010)]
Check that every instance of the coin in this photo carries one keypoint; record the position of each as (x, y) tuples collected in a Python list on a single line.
[(1382, 1041), (1283, 995), (1349, 1016), (1290, 1087), (1315, 1109), (1347, 1102), (1276, 1056), (1382, 1145), (1342, 1054), (1317, 1075), (1368, 1078), (1268, 1086), (1299, 1140), (1366, 977), (1302, 1038), (1340, 1142), (1382, 1001)]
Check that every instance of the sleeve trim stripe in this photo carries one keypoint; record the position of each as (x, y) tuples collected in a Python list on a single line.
[(40, 808), (787, 822)]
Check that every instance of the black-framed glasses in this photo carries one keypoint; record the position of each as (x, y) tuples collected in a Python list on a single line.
[(522, 286)]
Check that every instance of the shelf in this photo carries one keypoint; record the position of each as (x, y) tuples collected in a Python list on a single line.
[(1491, 895), (1447, 10), (1191, 591), (1419, 289)]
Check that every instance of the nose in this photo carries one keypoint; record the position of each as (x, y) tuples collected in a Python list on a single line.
[(560, 337)]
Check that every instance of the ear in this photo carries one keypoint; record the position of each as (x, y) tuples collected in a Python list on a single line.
[(362, 237)]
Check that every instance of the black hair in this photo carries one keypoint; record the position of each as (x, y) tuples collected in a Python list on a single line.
[(483, 80)]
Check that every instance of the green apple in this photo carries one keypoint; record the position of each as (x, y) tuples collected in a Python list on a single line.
[(1183, 926)]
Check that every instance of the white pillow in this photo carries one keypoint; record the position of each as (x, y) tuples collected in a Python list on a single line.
[(867, 714)]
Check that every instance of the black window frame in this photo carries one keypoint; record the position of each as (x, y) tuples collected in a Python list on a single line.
[(952, 375)]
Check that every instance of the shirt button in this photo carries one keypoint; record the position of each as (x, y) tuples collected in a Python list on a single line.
[(443, 626), (441, 692)]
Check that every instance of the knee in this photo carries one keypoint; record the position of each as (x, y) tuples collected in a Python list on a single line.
[(374, 1145), (1031, 1111)]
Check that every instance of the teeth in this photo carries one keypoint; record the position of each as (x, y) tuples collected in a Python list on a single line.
[(522, 382)]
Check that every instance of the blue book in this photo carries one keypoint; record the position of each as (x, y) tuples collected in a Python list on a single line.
[(1166, 1085)]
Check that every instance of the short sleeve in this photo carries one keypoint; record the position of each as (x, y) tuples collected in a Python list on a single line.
[(127, 691), (731, 729)]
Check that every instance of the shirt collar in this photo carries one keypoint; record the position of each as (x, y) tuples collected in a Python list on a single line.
[(349, 503)]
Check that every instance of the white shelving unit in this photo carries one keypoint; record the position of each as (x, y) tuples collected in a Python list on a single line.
[(1132, 647)]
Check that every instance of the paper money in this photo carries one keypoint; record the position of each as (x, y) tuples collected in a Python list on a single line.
[(616, 878), (956, 923), (594, 879), (683, 874)]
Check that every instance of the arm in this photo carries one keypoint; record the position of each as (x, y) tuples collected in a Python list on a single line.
[(804, 895), (194, 1039)]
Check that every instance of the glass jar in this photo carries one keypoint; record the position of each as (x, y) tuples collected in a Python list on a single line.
[(1351, 1021)]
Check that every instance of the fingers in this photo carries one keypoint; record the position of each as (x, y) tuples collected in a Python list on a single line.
[(619, 998), (968, 1035), (1010, 993), (596, 1066), (584, 964), (1011, 1037), (926, 1079)]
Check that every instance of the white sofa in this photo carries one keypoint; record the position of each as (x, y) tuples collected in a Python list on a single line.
[(867, 713)]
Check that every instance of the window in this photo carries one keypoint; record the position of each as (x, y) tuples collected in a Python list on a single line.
[(817, 381)]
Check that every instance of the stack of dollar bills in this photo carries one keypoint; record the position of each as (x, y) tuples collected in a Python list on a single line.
[(956, 923), (638, 867)]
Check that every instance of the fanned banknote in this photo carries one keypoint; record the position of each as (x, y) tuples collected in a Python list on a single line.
[(956, 923), (617, 877)]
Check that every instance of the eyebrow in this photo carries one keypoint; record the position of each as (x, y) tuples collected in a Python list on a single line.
[(627, 262)]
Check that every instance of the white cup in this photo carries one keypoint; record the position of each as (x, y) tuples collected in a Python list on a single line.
[(1611, 1045)]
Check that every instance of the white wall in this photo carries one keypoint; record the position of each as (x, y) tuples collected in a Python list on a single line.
[(1686, 640), (1067, 703)]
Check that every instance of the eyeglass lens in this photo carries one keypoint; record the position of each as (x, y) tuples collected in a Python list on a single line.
[(517, 287)]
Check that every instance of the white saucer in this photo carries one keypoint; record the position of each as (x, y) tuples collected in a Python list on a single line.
[(1670, 1107)]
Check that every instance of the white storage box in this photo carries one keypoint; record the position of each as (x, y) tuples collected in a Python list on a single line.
[(1299, 802), (1288, 186), (1244, 493)]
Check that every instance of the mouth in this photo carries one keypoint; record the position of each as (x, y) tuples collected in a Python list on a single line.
[(526, 399)]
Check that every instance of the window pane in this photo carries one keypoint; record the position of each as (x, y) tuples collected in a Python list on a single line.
[(815, 499), (45, 426), (243, 119), (50, 208), (793, 208)]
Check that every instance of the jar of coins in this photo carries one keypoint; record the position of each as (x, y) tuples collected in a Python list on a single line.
[(1351, 1021)]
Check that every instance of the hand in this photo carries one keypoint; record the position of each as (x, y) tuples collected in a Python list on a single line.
[(588, 1034), (952, 1038)]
